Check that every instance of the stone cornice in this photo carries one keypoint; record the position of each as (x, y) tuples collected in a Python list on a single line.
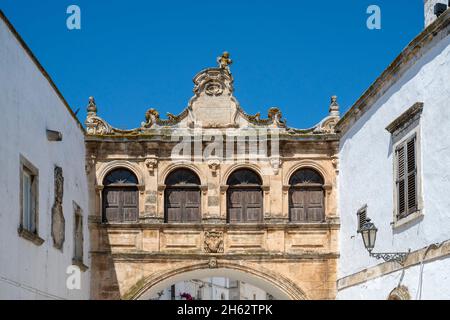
[(405, 117), (334, 225), (414, 51), (250, 256)]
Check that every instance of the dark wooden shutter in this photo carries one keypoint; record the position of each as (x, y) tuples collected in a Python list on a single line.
[(120, 204), (235, 206), (297, 205), (111, 205), (192, 205), (129, 204), (306, 204), (253, 205), (245, 205), (407, 178), (315, 209), (183, 205), (412, 175)]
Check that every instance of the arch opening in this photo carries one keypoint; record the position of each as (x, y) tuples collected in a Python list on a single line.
[(274, 289)]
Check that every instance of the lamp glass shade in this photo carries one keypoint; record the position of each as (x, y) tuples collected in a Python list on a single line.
[(369, 235)]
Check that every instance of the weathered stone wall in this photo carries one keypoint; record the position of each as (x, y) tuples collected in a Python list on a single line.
[(128, 259)]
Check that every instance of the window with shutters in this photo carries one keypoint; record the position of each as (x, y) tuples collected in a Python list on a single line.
[(405, 139), (29, 201), (182, 197), (306, 196), (406, 180), (244, 197), (120, 197), (361, 217)]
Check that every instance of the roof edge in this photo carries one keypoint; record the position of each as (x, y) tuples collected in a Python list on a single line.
[(41, 68), (392, 73)]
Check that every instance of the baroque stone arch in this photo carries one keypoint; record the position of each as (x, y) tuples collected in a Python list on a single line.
[(181, 165), (116, 164), (281, 287), (238, 166), (308, 164)]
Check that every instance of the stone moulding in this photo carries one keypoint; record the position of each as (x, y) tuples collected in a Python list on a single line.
[(405, 118)]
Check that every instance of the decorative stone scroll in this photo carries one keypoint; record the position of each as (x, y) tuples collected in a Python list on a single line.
[(58, 221)]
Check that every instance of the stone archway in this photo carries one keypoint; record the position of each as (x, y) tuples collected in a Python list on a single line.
[(277, 285)]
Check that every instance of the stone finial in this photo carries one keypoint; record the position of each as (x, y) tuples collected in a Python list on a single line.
[(92, 107), (334, 107), (224, 61)]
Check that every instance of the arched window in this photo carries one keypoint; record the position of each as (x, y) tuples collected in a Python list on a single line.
[(306, 196), (244, 197), (182, 197), (120, 196)]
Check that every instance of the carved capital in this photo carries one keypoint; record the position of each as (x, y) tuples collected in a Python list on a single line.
[(151, 164), (214, 165)]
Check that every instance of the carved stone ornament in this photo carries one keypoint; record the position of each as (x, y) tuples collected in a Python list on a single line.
[(275, 163), (212, 263), (58, 221), (274, 118), (213, 241), (151, 164), (214, 165), (214, 88), (97, 126)]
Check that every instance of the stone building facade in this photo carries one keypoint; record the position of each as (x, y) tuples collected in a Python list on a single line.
[(213, 190)]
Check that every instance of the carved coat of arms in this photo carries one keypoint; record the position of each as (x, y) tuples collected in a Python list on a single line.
[(213, 241)]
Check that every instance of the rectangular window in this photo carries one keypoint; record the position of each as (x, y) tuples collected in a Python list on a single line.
[(78, 234), (406, 180), (29, 197)]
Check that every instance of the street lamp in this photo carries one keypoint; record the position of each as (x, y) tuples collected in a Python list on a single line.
[(369, 236)]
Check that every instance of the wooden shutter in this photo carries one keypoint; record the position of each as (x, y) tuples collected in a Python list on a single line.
[(183, 205), (111, 205), (306, 204), (245, 205), (120, 204), (235, 206), (406, 178), (253, 205), (412, 175), (315, 209), (191, 205), (129, 205), (297, 205)]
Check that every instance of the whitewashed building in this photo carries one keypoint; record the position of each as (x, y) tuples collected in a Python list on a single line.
[(43, 188), (394, 170)]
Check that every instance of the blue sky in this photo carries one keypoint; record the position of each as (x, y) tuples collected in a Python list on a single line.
[(133, 55)]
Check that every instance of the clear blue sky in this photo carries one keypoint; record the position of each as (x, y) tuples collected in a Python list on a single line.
[(132, 55)]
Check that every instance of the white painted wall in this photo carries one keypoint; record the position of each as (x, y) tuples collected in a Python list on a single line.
[(28, 106), (366, 174)]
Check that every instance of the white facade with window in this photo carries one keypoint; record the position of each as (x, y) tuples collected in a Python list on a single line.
[(394, 168), (30, 266)]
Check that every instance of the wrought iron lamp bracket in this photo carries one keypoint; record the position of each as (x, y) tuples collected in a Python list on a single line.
[(399, 257)]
